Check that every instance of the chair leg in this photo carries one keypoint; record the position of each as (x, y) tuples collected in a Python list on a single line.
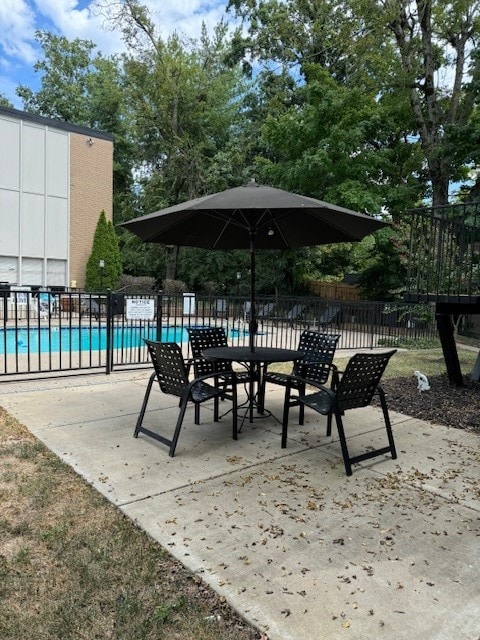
[(178, 426), (348, 461), (144, 405), (215, 409), (286, 409), (196, 418), (343, 442), (262, 387), (329, 424), (301, 416), (235, 414), (388, 424)]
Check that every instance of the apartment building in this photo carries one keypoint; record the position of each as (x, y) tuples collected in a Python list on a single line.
[(55, 179)]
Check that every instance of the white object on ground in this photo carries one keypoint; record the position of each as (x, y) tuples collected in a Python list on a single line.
[(423, 384)]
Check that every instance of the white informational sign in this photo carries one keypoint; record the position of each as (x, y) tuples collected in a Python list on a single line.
[(140, 309), (188, 304)]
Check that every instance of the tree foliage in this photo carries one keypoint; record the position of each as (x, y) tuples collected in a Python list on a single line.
[(384, 271), (416, 60), (105, 251), (369, 104)]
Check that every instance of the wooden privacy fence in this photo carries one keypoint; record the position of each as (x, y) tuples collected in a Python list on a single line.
[(335, 290)]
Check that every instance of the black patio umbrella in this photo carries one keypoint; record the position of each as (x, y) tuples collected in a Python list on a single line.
[(253, 217)]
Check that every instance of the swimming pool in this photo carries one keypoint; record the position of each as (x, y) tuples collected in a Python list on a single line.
[(45, 339)]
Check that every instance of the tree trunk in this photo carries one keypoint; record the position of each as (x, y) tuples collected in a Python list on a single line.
[(439, 177), (171, 260)]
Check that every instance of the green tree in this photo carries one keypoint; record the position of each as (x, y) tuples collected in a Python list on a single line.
[(5, 102), (184, 111), (415, 60), (104, 266), (64, 70), (384, 273), (334, 143)]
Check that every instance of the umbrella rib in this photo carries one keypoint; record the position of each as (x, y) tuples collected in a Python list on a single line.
[(273, 222), (229, 220)]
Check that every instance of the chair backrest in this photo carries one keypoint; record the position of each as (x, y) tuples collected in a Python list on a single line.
[(261, 312), (201, 338), (319, 351), (169, 366), (361, 378), (220, 307), (266, 310), (90, 305), (328, 315), (295, 311)]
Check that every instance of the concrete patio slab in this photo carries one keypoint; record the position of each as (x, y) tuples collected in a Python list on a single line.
[(299, 549)]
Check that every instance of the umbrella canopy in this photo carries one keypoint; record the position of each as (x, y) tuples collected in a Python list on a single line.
[(253, 217), (273, 218)]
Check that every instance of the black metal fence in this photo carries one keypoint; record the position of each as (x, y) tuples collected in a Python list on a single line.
[(444, 257), (45, 332)]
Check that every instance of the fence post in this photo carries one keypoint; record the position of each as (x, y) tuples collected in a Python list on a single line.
[(109, 351), (159, 316), (373, 317)]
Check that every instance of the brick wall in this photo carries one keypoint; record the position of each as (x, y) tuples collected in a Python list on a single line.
[(91, 188)]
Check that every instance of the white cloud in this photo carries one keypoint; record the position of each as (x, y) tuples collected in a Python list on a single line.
[(17, 26), (76, 19), (185, 17), (19, 19)]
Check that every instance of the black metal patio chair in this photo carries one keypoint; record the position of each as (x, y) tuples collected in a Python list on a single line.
[(201, 338), (264, 313), (355, 388), (316, 365), (171, 374), (328, 316), (91, 307), (297, 316)]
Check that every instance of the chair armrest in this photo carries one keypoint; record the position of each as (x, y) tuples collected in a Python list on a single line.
[(298, 379), (319, 389), (229, 375)]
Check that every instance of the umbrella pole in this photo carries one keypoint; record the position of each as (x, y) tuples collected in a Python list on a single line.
[(253, 315)]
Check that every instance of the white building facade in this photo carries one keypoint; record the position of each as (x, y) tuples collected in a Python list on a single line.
[(46, 224)]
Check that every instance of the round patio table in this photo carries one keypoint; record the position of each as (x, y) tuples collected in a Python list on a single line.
[(256, 363)]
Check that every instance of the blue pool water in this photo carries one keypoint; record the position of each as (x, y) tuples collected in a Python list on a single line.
[(82, 338)]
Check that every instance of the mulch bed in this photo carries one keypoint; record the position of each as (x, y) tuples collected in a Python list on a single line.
[(442, 404)]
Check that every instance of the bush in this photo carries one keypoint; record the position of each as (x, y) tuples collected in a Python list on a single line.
[(137, 284), (174, 287)]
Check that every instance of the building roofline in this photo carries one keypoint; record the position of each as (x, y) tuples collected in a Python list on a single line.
[(55, 123)]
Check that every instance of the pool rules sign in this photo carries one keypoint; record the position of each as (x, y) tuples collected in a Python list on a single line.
[(140, 309)]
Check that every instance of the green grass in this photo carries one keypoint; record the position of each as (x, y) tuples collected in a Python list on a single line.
[(429, 361), (72, 566)]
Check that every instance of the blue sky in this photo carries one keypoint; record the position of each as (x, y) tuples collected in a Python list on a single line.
[(19, 19)]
